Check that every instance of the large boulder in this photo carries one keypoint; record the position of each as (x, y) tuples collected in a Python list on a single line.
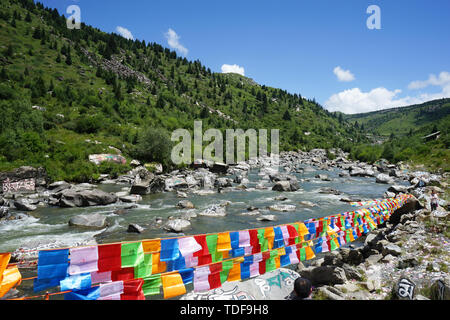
[(95, 221), (384, 178), (174, 183), (177, 225), (286, 186), (142, 182), (86, 198), (214, 211), (274, 285), (39, 175), (324, 275), (24, 205)]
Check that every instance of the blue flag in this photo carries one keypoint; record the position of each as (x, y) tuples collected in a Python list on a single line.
[(89, 294), (187, 275), (169, 250), (76, 282)]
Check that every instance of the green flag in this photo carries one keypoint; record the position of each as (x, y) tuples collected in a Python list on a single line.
[(144, 269), (226, 266), (263, 241), (270, 264), (302, 254), (152, 285), (211, 241), (132, 254)]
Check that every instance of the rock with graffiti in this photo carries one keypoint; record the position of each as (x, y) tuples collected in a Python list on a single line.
[(99, 158), (25, 185), (275, 285)]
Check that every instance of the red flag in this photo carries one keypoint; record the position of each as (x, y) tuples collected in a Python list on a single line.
[(214, 280), (109, 257), (293, 234), (204, 257), (254, 241), (124, 274), (132, 290)]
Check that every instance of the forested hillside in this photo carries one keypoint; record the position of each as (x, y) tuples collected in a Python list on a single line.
[(67, 93), (403, 131)]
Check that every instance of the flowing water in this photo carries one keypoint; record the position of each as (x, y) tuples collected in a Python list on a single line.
[(50, 224)]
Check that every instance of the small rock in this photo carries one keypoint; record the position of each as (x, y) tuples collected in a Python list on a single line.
[(135, 228)]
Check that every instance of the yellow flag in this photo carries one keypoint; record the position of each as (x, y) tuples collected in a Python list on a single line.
[(223, 242), (173, 285), (302, 229)]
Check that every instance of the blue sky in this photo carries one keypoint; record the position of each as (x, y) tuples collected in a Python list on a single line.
[(321, 49)]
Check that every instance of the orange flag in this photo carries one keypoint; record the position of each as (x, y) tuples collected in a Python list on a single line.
[(309, 253), (11, 278), (173, 285), (223, 242), (157, 265), (4, 260), (269, 234), (235, 273), (151, 246)]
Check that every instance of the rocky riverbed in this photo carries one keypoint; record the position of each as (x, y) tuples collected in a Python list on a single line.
[(213, 197)]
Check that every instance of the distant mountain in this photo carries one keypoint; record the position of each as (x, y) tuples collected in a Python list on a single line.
[(67, 93), (398, 134), (400, 121)]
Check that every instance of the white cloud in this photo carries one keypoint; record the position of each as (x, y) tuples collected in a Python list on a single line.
[(442, 80), (173, 41), (356, 101), (227, 68), (124, 32), (343, 75)]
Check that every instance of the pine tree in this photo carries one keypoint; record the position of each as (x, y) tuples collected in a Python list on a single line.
[(287, 116), (68, 57), (28, 17)]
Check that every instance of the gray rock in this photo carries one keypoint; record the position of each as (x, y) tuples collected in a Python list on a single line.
[(331, 293), (267, 217), (307, 204), (214, 211), (373, 259), (24, 205), (324, 275), (410, 262), (351, 272), (177, 225), (391, 249), (323, 177), (384, 178), (130, 198), (96, 221), (223, 183), (59, 186), (440, 290), (135, 228), (141, 184), (286, 186), (185, 204), (282, 207), (329, 191), (86, 198)]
